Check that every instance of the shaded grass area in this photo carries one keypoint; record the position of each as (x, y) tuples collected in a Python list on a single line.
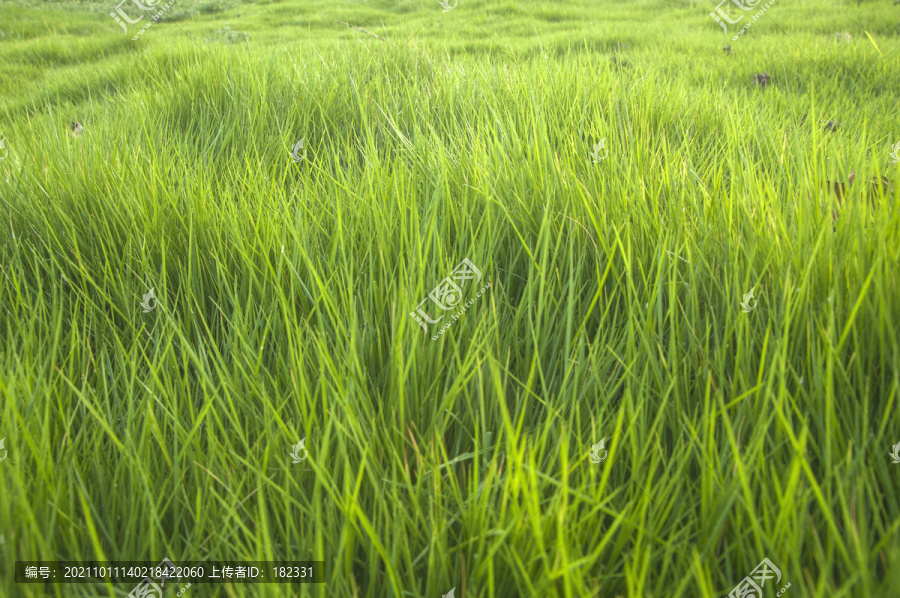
[(614, 309)]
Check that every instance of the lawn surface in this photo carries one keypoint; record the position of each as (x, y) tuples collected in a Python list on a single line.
[(616, 215)]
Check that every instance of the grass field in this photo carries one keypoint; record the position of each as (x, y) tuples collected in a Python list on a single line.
[(618, 214)]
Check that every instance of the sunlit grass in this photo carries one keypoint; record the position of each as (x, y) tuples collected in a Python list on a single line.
[(284, 292)]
